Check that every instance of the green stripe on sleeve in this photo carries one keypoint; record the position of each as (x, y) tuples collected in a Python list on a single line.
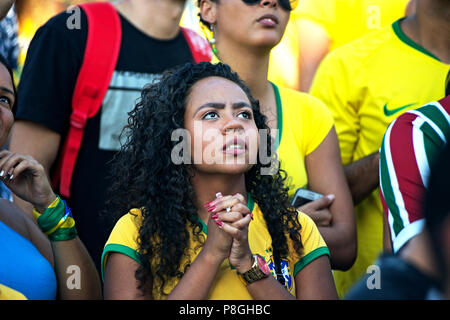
[(388, 191), (313, 255), (432, 144), (120, 248), (436, 116)]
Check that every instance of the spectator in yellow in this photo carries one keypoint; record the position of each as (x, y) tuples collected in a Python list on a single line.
[(325, 25), (367, 84), (244, 34)]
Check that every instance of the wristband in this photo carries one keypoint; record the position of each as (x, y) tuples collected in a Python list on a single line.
[(57, 221)]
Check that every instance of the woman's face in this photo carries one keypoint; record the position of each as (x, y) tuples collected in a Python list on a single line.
[(7, 99), (261, 24), (219, 119)]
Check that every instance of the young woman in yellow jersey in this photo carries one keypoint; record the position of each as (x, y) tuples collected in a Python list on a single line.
[(213, 226), (244, 34)]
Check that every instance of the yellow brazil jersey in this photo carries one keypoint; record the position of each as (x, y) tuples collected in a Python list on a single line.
[(227, 284), (348, 20), (303, 122), (367, 84), (343, 21)]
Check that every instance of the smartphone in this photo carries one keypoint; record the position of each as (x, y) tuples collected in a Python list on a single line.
[(303, 196)]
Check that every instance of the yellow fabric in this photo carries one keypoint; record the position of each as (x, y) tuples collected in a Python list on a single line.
[(367, 84), (306, 121), (190, 18), (6, 293), (348, 20), (227, 284), (343, 21)]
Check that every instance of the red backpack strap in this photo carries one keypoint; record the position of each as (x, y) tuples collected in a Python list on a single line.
[(200, 49), (100, 58)]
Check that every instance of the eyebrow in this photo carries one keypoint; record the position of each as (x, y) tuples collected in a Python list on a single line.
[(7, 90), (218, 105)]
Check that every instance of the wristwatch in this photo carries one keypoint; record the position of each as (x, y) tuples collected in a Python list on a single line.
[(258, 271)]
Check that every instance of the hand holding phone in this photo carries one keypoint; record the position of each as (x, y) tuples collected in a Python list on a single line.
[(315, 205), (303, 196)]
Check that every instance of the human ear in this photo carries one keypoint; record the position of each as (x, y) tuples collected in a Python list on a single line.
[(208, 11)]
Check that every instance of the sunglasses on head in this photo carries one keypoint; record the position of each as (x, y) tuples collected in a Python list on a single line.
[(285, 4)]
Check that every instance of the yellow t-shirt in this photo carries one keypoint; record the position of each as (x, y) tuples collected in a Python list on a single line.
[(6, 293), (348, 20), (343, 21), (367, 84), (227, 284), (303, 123)]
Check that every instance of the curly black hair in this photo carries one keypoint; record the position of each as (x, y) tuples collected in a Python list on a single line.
[(145, 177)]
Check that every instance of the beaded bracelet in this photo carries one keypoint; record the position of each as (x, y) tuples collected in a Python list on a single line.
[(57, 221)]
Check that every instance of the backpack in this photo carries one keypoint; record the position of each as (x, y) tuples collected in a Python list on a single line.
[(100, 58)]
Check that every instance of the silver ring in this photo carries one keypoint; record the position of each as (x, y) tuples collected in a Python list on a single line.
[(228, 209)]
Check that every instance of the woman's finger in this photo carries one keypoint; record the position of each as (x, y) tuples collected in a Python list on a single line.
[(22, 166), (3, 160), (7, 167), (236, 229), (319, 204), (224, 203)]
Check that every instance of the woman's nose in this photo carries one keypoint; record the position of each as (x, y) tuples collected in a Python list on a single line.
[(232, 124)]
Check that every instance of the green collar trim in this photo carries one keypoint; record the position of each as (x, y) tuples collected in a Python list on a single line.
[(404, 38), (279, 112), (250, 206)]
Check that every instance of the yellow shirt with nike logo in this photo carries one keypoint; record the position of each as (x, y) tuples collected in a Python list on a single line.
[(227, 284), (367, 84)]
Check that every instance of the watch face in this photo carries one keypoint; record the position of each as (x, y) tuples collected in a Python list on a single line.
[(263, 265)]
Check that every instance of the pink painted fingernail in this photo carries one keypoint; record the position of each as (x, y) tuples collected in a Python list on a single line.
[(214, 217), (219, 223), (211, 208), (251, 215), (206, 205)]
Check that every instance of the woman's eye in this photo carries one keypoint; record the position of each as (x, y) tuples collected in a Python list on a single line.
[(245, 115), (210, 115), (6, 100)]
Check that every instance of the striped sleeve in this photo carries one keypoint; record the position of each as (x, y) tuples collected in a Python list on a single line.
[(409, 146)]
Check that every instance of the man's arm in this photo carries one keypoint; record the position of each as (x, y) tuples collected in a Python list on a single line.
[(37, 141), (362, 176)]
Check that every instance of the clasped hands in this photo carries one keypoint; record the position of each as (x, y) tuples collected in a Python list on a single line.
[(228, 231)]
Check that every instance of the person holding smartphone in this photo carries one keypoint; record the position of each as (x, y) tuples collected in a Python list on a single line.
[(242, 34)]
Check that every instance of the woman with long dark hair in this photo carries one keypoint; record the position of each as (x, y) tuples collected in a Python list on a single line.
[(242, 34), (208, 214)]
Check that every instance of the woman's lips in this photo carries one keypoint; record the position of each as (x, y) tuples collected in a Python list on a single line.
[(268, 20), (235, 146)]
